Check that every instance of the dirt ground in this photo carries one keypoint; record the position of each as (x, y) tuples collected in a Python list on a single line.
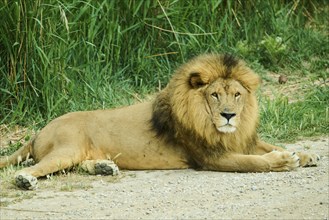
[(180, 194)]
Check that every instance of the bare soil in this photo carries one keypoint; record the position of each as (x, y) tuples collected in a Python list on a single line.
[(178, 194)]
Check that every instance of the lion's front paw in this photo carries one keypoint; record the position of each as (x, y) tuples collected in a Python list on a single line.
[(282, 160), (308, 159), (26, 181)]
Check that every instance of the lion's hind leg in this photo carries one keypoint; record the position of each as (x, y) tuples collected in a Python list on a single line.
[(51, 163), (100, 167)]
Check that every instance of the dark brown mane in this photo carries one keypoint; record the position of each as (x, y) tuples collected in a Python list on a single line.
[(162, 119), (229, 61)]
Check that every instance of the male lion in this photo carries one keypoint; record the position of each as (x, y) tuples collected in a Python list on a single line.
[(205, 118)]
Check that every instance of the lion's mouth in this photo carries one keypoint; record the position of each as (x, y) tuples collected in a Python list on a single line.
[(228, 128)]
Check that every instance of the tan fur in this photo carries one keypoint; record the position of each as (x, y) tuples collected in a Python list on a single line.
[(185, 126)]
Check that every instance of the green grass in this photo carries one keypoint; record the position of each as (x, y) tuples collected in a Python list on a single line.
[(61, 56), (284, 121)]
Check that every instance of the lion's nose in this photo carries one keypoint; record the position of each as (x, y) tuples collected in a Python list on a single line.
[(228, 116)]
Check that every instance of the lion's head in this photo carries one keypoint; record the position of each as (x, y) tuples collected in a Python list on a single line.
[(209, 101)]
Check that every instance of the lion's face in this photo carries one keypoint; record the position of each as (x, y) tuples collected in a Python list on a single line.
[(211, 98), (225, 86), (225, 101)]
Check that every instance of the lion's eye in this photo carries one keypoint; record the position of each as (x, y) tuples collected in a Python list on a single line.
[(237, 95), (214, 95)]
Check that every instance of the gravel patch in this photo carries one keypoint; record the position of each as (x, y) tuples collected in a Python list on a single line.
[(190, 194)]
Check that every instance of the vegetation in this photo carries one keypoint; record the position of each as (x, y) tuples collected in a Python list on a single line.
[(61, 56), (281, 120)]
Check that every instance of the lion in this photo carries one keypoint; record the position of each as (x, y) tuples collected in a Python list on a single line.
[(204, 119)]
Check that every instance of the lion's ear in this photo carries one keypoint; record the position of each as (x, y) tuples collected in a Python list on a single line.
[(196, 81), (252, 82)]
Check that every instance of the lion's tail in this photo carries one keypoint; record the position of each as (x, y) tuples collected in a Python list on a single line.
[(18, 156)]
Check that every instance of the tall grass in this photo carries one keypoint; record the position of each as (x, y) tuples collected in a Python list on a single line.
[(60, 56)]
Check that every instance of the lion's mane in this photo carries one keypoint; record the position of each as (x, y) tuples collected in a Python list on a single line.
[(180, 115)]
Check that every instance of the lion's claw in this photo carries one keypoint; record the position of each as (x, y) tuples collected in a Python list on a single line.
[(308, 159)]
